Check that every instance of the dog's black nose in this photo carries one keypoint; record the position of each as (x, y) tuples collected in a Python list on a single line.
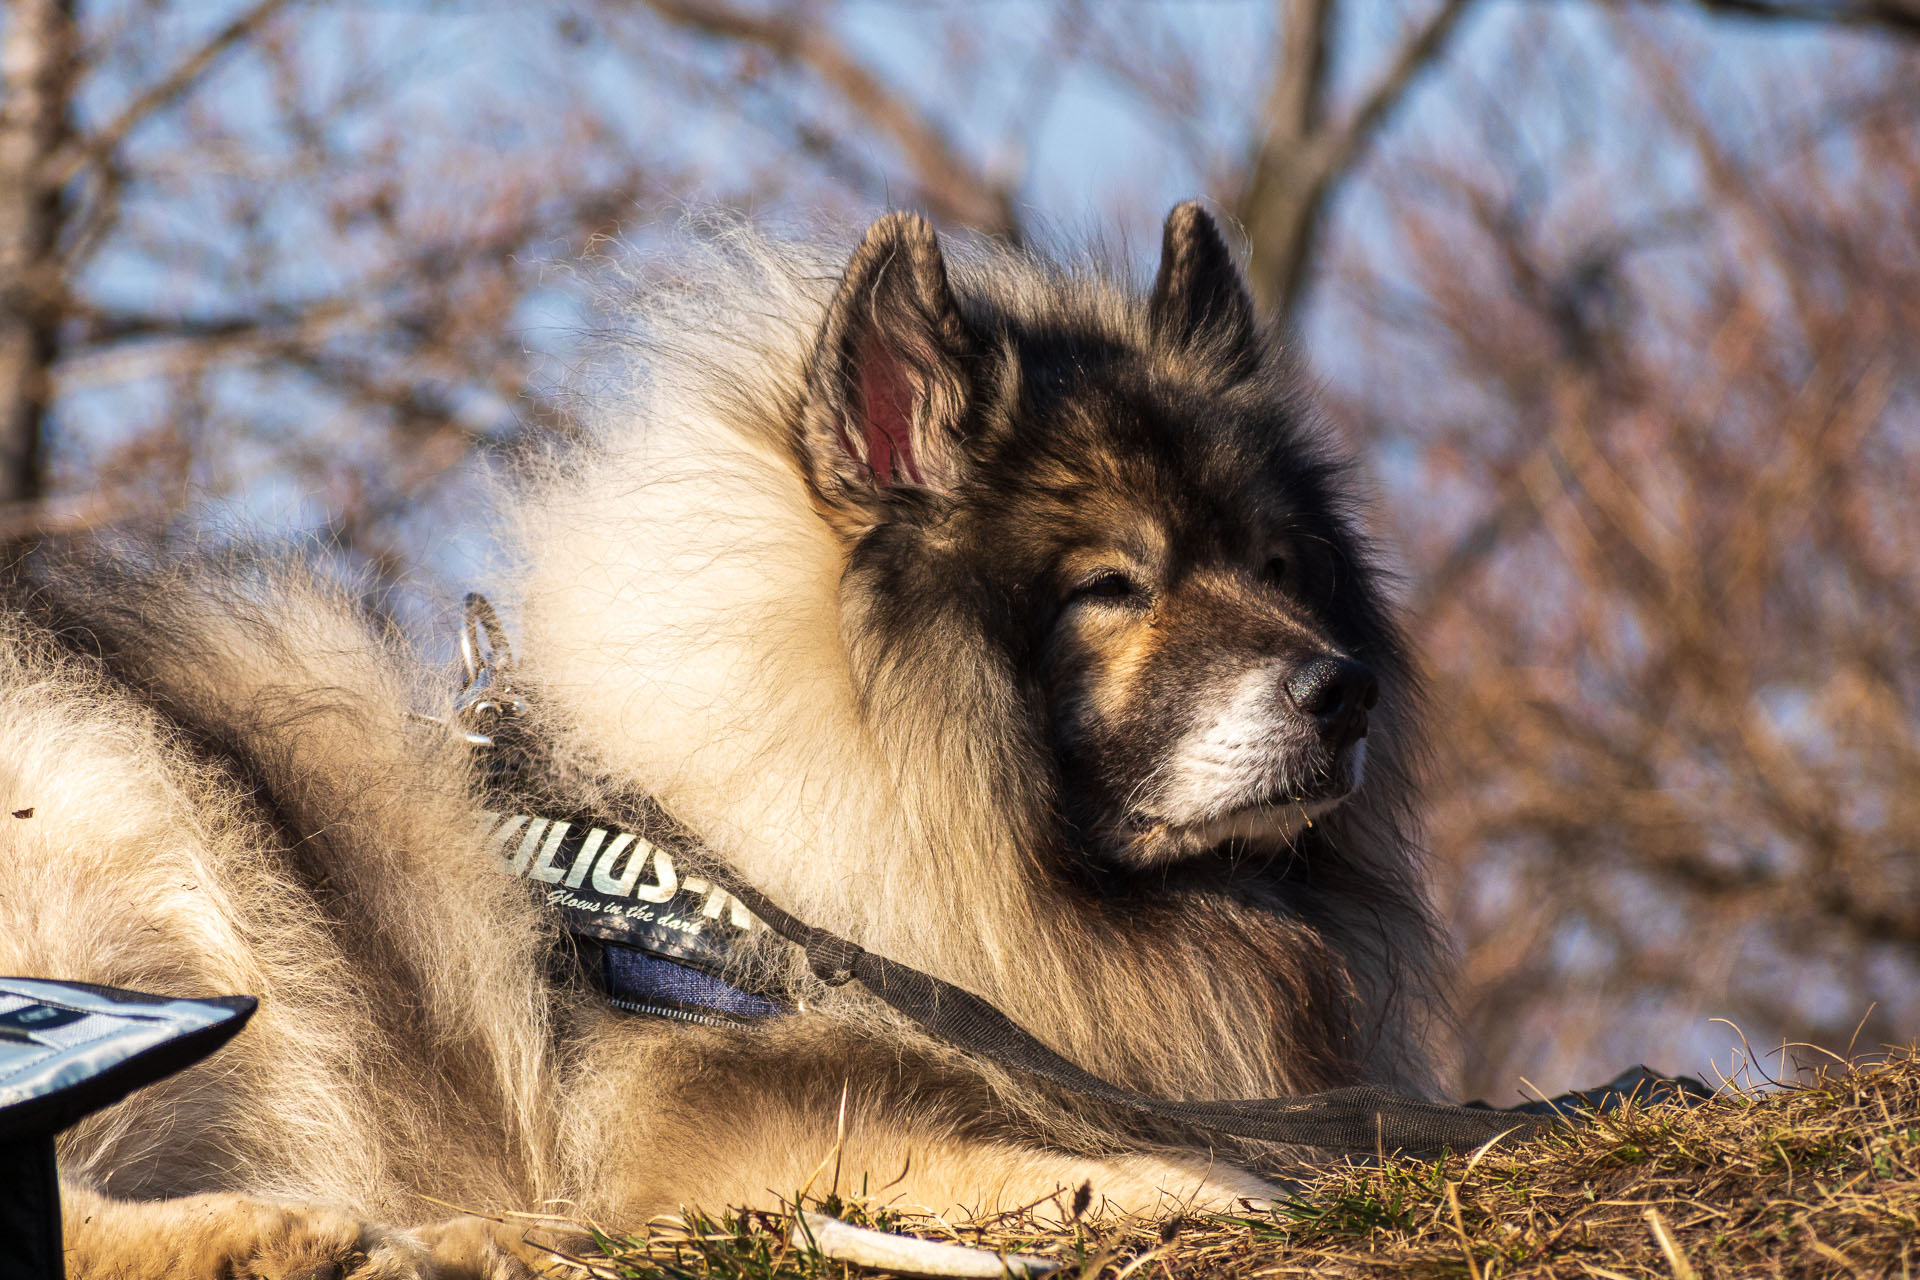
[(1337, 693)]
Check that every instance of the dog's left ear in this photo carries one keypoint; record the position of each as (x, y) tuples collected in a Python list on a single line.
[(1200, 303), (890, 385)]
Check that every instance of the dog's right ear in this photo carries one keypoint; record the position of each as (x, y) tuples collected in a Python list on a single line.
[(1199, 300), (889, 387)]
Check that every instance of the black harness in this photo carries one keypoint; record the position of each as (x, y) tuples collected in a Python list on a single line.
[(662, 943), (655, 940)]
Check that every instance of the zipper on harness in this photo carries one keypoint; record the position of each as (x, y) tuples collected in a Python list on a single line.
[(672, 1011)]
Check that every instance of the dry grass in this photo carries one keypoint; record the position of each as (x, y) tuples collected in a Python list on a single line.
[(1817, 1180)]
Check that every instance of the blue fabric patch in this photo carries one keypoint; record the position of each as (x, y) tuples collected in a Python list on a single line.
[(638, 976)]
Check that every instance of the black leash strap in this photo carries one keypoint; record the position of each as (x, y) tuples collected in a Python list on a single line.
[(1361, 1118)]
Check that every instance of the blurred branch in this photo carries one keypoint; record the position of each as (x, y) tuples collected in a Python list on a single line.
[(1421, 49), (1302, 156), (38, 63), (78, 513), (1895, 17), (102, 142), (955, 190)]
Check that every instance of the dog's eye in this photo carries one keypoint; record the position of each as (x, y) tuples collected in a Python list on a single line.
[(1109, 586), (1281, 571)]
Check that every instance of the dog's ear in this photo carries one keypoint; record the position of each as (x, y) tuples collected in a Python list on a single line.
[(1200, 303), (890, 385)]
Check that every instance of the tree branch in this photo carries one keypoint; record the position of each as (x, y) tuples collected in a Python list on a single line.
[(1895, 17), (955, 190), (102, 142), (1414, 57), (37, 71), (1301, 159)]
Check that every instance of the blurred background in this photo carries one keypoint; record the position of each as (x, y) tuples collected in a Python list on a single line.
[(1620, 302)]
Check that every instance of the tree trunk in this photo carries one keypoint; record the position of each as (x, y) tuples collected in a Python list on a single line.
[(37, 69), (1280, 202)]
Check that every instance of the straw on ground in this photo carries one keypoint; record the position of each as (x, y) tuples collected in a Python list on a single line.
[(1818, 1180)]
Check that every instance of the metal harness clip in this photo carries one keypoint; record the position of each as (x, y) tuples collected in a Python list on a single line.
[(487, 698), (488, 694)]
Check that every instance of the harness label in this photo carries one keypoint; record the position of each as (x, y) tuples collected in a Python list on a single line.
[(620, 887)]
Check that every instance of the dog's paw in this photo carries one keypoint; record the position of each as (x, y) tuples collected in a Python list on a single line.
[(975, 1179), (296, 1242), (231, 1237), (482, 1249), (322, 1244)]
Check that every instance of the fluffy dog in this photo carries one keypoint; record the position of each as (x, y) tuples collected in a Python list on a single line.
[(976, 608)]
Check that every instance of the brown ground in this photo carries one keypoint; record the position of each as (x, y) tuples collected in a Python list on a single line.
[(1817, 1180)]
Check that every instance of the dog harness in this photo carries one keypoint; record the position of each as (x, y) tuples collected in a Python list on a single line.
[(673, 946), (657, 943)]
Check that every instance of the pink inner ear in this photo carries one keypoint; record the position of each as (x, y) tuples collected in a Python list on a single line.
[(886, 411)]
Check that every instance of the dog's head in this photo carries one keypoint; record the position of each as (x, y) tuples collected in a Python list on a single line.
[(1119, 505)]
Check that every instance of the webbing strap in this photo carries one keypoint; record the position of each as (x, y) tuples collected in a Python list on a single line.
[(1361, 1118)]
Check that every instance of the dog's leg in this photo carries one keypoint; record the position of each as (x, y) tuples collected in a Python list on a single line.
[(235, 1237), (693, 1119), (938, 1174), (901, 1161)]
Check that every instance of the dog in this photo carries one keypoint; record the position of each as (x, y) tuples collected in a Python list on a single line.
[(1009, 622)]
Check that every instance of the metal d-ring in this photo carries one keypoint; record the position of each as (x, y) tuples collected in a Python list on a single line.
[(477, 615), (488, 661)]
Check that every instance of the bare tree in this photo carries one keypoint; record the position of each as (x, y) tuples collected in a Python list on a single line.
[(944, 180), (1674, 608), (1306, 148), (37, 67), (227, 267), (1630, 339)]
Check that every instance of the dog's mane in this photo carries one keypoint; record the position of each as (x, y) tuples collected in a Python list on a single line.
[(682, 632)]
